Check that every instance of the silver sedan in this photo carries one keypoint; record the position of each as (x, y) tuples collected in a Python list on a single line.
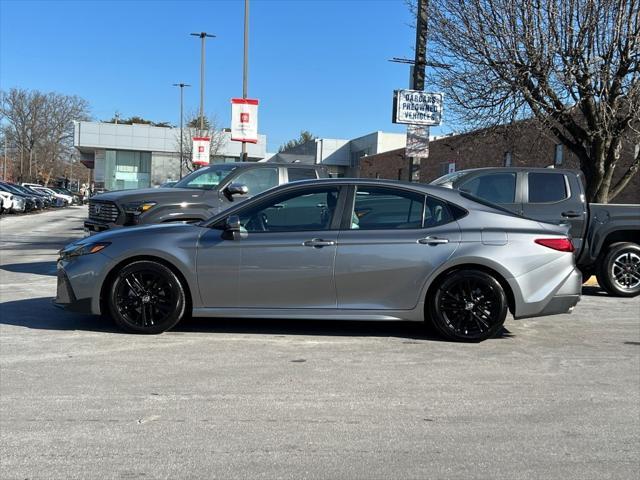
[(330, 249)]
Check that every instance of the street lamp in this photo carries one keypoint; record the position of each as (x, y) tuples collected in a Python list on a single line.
[(203, 36), (245, 67), (181, 85)]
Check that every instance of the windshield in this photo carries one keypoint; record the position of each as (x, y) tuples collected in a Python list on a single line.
[(448, 178), (206, 178), (23, 190)]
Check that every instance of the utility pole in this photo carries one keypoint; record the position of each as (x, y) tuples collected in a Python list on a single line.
[(181, 85), (203, 36), (420, 61), (245, 68)]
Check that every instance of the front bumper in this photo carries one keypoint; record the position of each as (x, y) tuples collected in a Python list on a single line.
[(66, 298)]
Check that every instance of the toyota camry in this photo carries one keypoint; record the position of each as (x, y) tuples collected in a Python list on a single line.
[(330, 249)]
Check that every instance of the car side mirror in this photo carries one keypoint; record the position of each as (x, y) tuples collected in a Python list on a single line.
[(233, 229), (235, 189)]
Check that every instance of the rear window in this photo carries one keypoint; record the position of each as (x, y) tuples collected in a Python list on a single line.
[(296, 174), (497, 188), (547, 187)]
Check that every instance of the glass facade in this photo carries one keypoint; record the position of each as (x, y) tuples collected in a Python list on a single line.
[(126, 169)]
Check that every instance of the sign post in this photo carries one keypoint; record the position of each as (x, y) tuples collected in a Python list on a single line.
[(418, 110)]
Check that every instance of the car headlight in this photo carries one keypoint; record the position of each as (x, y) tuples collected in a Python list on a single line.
[(136, 208), (83, 249)]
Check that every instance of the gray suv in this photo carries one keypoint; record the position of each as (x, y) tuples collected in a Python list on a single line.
[(198, 196)]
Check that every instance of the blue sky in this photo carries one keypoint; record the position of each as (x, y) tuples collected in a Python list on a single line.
[(320, 65)]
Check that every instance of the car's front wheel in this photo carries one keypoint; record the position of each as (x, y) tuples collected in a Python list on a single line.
[(146, 297), (468, 306)]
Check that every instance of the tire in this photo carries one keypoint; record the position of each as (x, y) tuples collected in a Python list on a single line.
[(468, 306), (618, 271), (146, 297)]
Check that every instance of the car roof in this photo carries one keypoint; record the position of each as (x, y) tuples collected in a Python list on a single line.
[(435, 190), (518, 169), (266, 164)]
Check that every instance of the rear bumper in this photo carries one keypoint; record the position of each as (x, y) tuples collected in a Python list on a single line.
[(560, 304), (541, 302)]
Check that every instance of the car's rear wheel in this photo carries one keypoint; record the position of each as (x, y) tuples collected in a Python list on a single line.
[(146, 297), (468, 306), (619, 271)]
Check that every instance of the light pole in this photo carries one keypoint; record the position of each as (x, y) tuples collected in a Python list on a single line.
[(203, 36), (181, 85), (245, 67)]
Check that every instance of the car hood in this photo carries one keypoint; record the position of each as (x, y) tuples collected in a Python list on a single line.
[(149, 194), (123, 234)]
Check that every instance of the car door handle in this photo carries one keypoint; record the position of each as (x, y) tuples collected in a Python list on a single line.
[(570, 214), (318, 242), (433, 241)]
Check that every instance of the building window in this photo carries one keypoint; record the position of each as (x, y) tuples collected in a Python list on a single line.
[(446, 168), (559, 155), (125, 169), (507, 159)]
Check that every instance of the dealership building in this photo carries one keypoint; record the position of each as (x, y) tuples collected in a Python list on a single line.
[(125, 156), (342, 157)]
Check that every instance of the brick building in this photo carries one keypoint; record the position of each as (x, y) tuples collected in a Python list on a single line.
[(516, 146)]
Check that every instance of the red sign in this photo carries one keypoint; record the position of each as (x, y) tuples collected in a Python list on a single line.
[(244, 120)]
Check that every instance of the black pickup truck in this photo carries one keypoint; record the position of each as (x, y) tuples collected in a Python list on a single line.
[(606, 236), (196, 197)]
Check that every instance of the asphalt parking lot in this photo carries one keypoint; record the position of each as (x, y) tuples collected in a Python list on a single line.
[(557, 397)]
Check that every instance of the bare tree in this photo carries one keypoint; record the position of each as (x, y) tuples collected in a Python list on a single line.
[(192, 129), (41, 126), (572, 65)]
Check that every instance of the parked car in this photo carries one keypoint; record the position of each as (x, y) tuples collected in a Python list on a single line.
[(607, 237), (19, 204), (59, 200), (42, 199), (75, 197), (196, 197), (331, 249), (27, 201), (6, 202)]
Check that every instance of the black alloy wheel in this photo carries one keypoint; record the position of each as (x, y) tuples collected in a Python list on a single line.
[(619, 271), (469, 306), (146, 297)]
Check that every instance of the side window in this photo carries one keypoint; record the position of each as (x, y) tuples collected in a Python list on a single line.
[(258, 180), (296, 174), (495, 187), (376, 208), (436, 212), (547, 187), (311, 209)]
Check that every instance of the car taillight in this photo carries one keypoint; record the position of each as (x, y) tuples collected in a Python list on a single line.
[(560, 244)]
